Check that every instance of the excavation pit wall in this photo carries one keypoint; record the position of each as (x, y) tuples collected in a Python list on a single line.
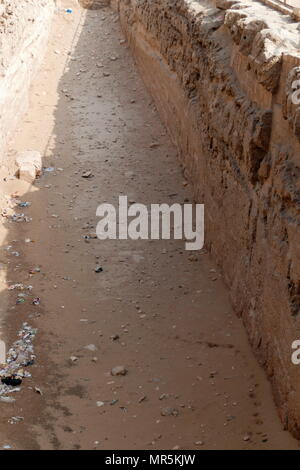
[(222, 75), (24, 32)]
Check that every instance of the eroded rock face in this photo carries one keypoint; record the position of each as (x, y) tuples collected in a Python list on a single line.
[(24, 28), (223, 75)]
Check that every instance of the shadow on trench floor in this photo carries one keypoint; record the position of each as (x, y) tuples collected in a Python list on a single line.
[(158, 310)]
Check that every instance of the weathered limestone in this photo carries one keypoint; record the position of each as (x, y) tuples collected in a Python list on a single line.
[(24, 29), (29, 164), (222, 73)]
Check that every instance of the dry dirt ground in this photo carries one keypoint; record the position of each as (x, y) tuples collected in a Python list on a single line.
[(170, 315)]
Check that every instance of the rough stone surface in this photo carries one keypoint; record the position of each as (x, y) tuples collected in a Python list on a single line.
[(119, 370), (24, 28), (222, 79), (29, 164)]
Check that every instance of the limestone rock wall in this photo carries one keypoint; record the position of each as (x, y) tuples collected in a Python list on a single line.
[(223, 75), (24, 29)]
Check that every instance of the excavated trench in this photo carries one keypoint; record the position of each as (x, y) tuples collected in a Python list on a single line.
[(222, 83)]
